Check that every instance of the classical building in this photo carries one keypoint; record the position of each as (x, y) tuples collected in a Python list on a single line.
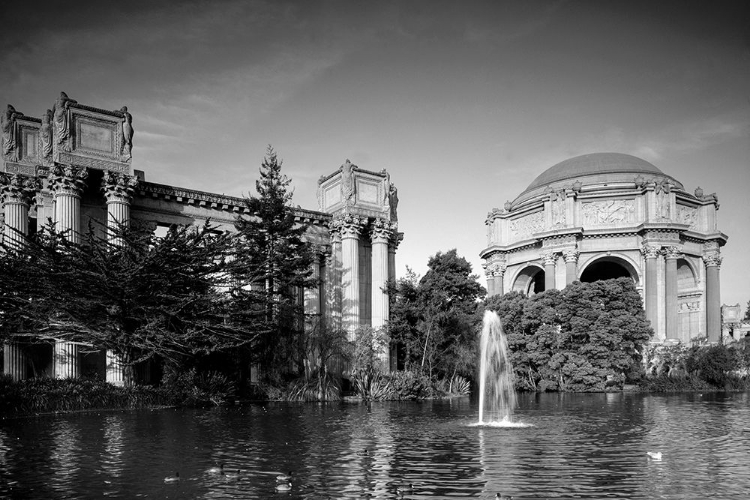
[(75, 163), (609, 215)]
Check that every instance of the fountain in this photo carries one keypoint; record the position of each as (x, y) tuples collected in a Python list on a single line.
[(497, 394)]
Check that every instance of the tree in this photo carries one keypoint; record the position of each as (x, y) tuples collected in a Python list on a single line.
[(271, 267), (434, 317), (143, 297), (747, 312)]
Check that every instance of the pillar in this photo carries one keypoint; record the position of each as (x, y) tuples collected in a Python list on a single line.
[(118, 190), (67, 184), (351, 227), (489, 273), (312, 295), (550, 260), (498, 272), (712, 260), (571, 266), (333, 269), (380, 235), (671, 254), (16, 193), (651, 253)]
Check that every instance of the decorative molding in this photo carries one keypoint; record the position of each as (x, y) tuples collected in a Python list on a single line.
[(650, 251), (712, 258), (18, 189), (118, 187), (687, 215), (17, 168), (67, 180), (673, 252), (527, 225), (380, 231), (95, 163), (549, 258), (608, 213), (351, 226), (570, 256)]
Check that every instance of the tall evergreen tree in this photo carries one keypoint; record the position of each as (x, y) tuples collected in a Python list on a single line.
[(271, 268)]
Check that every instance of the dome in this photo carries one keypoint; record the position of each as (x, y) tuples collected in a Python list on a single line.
[(594, 168)]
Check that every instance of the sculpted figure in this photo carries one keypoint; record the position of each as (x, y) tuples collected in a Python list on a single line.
[(393, 197), (127, 133), (61, 119), (558, 208), (46, 134), (9, 133), (348, 189), (386, 189)]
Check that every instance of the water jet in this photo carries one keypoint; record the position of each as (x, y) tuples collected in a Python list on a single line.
[(497, 394)]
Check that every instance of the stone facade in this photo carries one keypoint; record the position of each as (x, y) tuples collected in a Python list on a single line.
[(76, 164), (609, 215)]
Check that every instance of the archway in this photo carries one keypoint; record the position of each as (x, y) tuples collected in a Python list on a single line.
[(607, 268), (529, 281)]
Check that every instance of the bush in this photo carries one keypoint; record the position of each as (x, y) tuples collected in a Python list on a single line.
[(191, 388), (713, 364)]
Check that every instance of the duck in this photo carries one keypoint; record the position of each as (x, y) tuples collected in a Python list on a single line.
[(284, 486), (216, 470), (404, 488), (231, 475), (656, 455), (284, 478), (172, 479), (500, 496)]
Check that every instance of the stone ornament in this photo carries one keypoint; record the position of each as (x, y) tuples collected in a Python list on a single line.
[(570, 256), (526, 226), (558, 207), (672, 252), (127, 133), (45, 135), (18, 189), (699, 192), (549, 258), (611, 212), (118, 186), (67, 179), (687, 215), (10, 145), (650, 251), (351, 226), (712, 258), (380, 231), (348, 187), (61, 121)]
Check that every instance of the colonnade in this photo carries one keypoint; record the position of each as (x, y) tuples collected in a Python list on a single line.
[(67, 184)]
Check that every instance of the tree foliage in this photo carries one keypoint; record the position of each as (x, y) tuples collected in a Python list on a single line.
[(586, 337), (433, 318), (269, 271)]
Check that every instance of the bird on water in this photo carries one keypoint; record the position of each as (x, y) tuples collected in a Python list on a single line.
[(284, 478), (172, 479)]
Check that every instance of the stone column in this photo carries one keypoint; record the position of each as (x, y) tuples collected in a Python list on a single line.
[(333, 268), (16, 192), (118, 190), (351, 227), (671, 254), (498, 272), (489, 273), (712, 260), (550, 259), (651, 254), (380, 235), (312, 295), (392, 247), (67, 184), (571, 266)]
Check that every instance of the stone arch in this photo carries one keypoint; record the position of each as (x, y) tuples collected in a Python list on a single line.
[(529, 280), (687, 277), (608, 267)]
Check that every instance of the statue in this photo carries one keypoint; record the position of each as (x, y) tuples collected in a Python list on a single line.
[(348, 188), (9, 132), (386, 189), (61, 119), (393, 200), (558, 208), (127, 133), (46, 134)]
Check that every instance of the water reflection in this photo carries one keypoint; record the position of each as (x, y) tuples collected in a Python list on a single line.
[(576, 446)]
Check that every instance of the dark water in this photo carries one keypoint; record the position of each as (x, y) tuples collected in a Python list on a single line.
[(576, 446)]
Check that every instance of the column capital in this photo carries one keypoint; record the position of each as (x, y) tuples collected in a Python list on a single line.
[(19, 189), (395, 241), (549, 258), (571, 256), (118, 187), (498, 269), (67, 179), (650, 251), (351, 226), (672, 252), (712, 258), (380, 231)]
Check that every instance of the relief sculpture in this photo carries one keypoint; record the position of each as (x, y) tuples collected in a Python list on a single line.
[(526, 226), (687, 215), (612, 213)]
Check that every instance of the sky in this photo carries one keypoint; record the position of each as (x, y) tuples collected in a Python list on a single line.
[(464, 103)]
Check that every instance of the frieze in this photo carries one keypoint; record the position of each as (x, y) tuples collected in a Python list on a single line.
[(687, 215), (559, 240), (528, 225), (608, 213), (662, 235), (17, 168), (690, 306), (95, 163)]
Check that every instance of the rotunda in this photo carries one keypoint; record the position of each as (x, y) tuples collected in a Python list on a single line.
[(609, 215)]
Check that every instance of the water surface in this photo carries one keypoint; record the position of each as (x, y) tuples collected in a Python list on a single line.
[(570, 446)]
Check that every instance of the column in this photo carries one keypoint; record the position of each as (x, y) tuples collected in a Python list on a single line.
[(312, 295), (16, 192), (489, 273), (651, 253), (351, 227), (333, 270), (380, 233), (392, 246), (118, 190), (671, 254), (550, 259), (498, 272), (67, 184), (712, 260), (571, 266)]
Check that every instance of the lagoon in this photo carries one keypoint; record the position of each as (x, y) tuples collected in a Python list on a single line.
[(570, 446)]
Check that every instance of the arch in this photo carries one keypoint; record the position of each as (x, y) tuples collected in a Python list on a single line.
[(686, 275), (529, 280), (608, 267)]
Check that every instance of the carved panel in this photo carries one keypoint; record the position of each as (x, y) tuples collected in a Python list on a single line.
[(687, 215), (528, 225), (369, 191), (96, 136), (30, 142), (331, 195), (16, 168), (608, 213), (96, 163)]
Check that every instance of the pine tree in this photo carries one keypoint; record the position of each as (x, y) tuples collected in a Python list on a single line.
[(271, 268)]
